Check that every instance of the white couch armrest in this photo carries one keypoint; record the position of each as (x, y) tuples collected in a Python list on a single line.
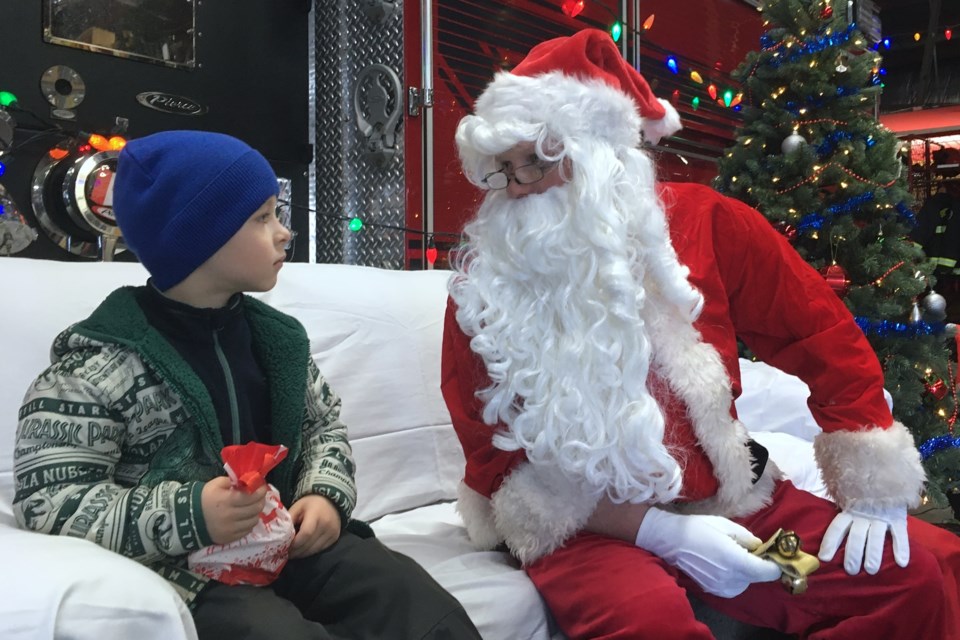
[(60, 587)]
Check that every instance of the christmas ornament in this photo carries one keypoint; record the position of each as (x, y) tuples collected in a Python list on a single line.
[(937, 389), (915, 316), (934, 307), (792, 142), (837, 278), (950, 330), (827, 13), (787, 230)]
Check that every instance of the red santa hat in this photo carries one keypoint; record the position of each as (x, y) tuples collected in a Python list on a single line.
[(576, 86)]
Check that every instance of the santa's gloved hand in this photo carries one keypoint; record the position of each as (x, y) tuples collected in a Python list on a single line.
[(712, 550), (867, 527)]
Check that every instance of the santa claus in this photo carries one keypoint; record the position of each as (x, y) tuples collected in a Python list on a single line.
[(590, 366)]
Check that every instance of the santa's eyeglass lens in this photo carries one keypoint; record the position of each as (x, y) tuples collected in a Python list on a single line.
[(527, 174)]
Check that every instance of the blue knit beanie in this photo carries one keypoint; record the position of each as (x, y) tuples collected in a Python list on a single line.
[(179, 196)]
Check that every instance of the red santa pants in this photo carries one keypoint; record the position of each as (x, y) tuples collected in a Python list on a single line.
[(598, 587)]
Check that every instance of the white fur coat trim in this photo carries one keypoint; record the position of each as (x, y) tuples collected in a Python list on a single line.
[(695, 372), (534, 511), (476, 511), (537, 509), (874, 467)]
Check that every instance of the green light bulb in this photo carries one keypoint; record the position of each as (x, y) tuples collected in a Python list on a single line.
[(727, 97), (616, 31), (356, 224), (695, 103), (7, 99)]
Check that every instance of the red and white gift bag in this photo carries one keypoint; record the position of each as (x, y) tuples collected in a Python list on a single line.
[(258, 557)]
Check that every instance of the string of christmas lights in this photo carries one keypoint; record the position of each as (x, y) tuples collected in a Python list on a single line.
[(728, 98), (356, 225), (887, 42), (573, 8)]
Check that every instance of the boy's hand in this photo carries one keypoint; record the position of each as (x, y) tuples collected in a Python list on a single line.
[(230, 513), (318, 525)]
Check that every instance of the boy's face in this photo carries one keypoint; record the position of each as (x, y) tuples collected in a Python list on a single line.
[(252, 258)]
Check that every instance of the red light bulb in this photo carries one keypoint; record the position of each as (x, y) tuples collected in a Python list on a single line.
[(572, 8)]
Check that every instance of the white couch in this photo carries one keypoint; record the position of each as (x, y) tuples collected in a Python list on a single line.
[(376, 336)]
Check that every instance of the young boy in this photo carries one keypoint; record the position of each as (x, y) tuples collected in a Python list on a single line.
[(166, 374)]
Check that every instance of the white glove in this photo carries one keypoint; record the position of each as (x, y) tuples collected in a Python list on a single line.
[(712, 550), (867, 528)]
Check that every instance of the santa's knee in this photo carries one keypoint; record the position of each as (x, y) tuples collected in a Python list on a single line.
[(920, 583)]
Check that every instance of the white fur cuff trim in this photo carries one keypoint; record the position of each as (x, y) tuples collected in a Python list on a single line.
[(477, 514), (537, 509), (873, 467)]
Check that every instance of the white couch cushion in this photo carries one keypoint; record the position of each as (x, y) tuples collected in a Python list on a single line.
[(375, 335), (501, 600), (55, 588)]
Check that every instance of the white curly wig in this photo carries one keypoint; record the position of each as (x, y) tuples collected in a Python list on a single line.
[(556, 289)]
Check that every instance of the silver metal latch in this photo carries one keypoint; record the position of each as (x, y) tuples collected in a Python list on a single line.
[(378, 103)]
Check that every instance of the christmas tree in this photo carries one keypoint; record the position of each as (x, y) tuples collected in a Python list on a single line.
[(812, 157)]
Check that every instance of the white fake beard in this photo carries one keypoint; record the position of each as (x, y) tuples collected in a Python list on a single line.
[(550, 295)]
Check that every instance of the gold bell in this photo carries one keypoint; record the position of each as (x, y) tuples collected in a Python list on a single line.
[(795, 564)]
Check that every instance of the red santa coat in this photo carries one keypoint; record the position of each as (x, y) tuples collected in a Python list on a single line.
[(757, 287)]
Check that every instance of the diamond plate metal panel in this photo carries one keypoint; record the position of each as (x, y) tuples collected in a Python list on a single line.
[(348, 184)]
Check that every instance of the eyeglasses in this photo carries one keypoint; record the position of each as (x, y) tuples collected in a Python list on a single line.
[(527, 174)]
